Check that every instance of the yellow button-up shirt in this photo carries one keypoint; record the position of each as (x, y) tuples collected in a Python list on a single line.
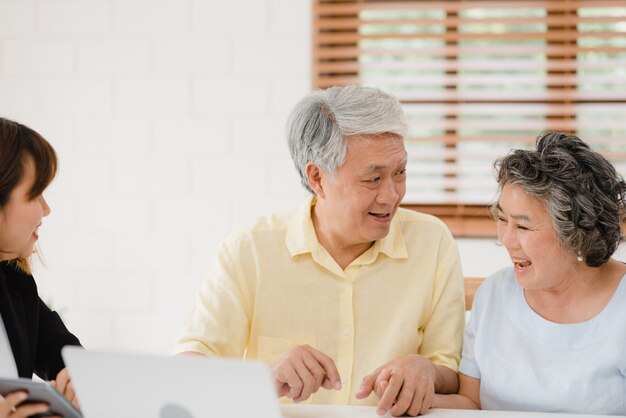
[(274, 286)]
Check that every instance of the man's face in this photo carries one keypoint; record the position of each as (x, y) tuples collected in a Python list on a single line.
[(362, 199)]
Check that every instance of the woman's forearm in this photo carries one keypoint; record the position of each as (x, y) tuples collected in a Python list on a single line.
[(453, 402)]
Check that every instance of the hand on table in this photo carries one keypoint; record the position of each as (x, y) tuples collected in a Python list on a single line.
[(302, 371), (10, 406), (63, 383), (404, 386)]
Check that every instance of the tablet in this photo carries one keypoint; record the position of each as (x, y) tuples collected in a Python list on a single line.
[(41, 392)]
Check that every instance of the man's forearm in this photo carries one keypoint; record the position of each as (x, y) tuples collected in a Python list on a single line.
[(446, 380)]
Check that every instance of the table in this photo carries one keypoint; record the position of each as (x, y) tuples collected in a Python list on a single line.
[(342, 411)]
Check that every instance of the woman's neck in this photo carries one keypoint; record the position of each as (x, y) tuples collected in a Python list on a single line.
[(580, 297)]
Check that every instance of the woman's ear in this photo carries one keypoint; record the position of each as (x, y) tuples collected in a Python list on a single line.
[(314, 177)]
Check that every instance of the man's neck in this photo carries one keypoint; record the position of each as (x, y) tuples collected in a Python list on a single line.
[(343, 253)]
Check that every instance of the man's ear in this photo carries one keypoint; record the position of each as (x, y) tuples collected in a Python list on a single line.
[(314, 177)]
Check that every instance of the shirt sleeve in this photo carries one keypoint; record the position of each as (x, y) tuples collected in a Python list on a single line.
[(443, 332), (52, 336), (468, 364), (219, 320)]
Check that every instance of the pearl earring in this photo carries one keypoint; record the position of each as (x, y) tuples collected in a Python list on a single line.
[(579, 257)]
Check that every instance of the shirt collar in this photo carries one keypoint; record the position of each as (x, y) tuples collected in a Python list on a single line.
[(301, 237)]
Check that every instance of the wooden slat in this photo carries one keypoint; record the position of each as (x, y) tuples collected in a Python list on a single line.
[(534, 125), (557, 36), (455, 139), (462, 220), (564, 20), (495, 66), (471, 285), (501, 86), (352, 53), (325, 8), (522, 80), (494, 97)]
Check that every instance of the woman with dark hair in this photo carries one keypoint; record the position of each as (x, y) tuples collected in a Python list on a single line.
[(549, 333), (31, 335)]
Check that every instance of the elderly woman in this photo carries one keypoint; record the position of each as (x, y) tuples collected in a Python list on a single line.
[(31, 335), (549, 333)]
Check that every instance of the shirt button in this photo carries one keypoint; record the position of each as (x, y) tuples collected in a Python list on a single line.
[(347, 284), (344, 382), (346, 332)]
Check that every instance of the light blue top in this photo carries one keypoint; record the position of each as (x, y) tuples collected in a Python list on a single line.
[(527, 363)]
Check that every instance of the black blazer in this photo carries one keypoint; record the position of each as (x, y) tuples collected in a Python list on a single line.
[(36, 333)]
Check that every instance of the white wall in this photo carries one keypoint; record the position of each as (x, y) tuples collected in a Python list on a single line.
[(168, 119)]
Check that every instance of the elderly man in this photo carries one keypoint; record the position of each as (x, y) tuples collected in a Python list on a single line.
[(348, 293)]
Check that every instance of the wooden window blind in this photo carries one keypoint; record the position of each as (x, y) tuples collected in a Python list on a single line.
[(477, 78)]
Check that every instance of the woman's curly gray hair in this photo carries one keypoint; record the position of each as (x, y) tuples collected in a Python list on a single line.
[(582, 191)]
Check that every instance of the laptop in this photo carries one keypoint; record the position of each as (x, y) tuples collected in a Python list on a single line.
[(132, 385)]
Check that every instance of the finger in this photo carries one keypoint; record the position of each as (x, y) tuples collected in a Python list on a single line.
[(62, 380), (10, 401), (427, 403), (327, 384), (367, 384), (316, 370), (382, 381), (70, 394), (390, 395), (380, 391), (28, 410), (282, 389), (278, 385), (307, 379), (288, 378), (405, 398), (76, 403), (329, 367)]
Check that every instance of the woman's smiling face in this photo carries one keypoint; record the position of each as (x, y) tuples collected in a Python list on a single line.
[(21, 217), (526, 231)]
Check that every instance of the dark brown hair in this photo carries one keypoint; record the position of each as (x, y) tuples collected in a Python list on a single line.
[(17, 143)]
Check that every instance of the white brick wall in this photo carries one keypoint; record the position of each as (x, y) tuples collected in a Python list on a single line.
[(37, 57), (75, 17), (17, 17), (168, 119), (231, 95), (151, 18), (117, 56), (236, 17)]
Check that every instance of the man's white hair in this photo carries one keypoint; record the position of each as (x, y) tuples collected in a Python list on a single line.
[(321, 123)]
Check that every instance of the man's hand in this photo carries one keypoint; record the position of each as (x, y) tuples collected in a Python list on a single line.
[(302, 371), (63, 384), (404, 386)]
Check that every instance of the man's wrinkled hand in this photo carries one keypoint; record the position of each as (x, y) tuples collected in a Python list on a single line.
[(302, 371), (404, 386)]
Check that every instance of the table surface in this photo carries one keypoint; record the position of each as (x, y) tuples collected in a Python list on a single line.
[(341, 411)]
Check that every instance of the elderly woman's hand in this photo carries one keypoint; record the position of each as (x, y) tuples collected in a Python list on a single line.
[(10, 406), (63, 383)]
